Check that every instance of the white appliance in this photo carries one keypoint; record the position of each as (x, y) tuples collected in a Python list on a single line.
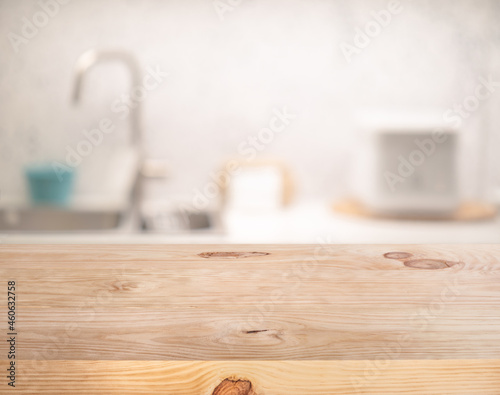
[(407, 165)]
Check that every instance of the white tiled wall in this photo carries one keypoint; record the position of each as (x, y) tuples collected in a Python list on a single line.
[(226, 77)]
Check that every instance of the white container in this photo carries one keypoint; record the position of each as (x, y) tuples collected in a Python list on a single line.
[(407, 165)]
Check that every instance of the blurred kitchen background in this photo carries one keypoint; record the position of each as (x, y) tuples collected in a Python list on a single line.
[(249, 121)]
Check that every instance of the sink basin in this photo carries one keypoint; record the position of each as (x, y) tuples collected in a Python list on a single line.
[(55, 219), (178, 221), (101, 200)]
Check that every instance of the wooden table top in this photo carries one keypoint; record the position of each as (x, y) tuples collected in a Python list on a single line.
[(253, 319)]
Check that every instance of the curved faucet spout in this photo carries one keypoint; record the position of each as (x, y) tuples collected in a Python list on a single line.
[(88, 59)]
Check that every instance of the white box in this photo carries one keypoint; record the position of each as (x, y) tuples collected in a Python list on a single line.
[(407, 165)]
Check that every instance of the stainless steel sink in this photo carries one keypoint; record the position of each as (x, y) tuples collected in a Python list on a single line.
[(55, 219), (181, 221)]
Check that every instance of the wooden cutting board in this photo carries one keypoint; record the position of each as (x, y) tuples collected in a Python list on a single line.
[(467, 211), (252, 319)]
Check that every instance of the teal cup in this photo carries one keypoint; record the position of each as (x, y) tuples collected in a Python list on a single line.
[(48, 186)]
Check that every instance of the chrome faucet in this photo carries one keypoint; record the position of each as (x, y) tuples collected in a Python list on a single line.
[(147, 168), (88, 59)]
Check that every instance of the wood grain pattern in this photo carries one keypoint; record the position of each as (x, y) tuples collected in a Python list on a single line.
[(306, 319), (430, 377)]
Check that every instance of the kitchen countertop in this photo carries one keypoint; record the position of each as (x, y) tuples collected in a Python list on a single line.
[(307, 222)]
